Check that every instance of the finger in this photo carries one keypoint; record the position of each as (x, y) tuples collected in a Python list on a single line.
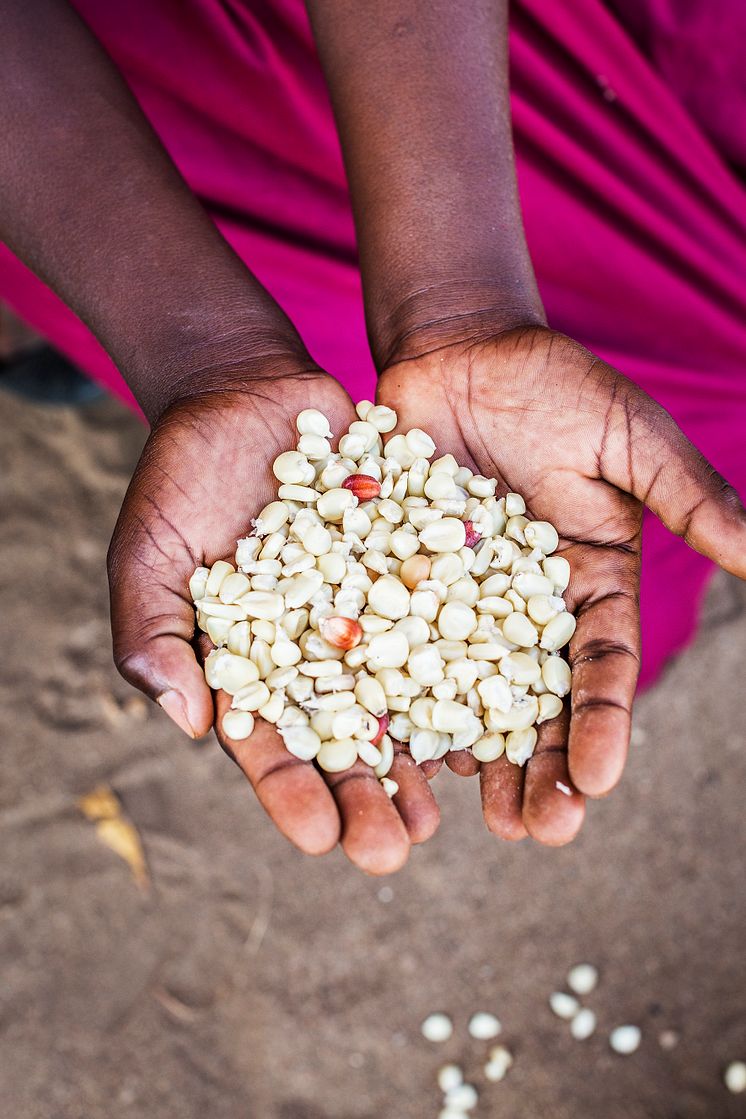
[(552, 810), (292, 792), (152, 627), (415, 802), (647, 454), (501, 785), (605, 662), (462, 762), (374, 837)]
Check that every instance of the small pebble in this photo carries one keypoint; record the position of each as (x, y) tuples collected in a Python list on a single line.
[(437, 1027), (563, 1005), (625, 1039), (735, 1077), (583, 1024), (449, 1077), (385, 894), (668, 1039), (582, 979), (483, 1026), (462, 1098), (500, 1060)]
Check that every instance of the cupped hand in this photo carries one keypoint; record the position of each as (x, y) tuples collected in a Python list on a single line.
[(587, 449), (204, 473)]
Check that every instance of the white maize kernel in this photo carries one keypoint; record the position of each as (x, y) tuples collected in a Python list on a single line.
[(583, 1024), (415, 629), (301, 741), (444, 535), (555, 672), (449, 1076), (541, 535), (263, 604), (251, 697), (450, 716), (387, 650), (370, 695), (218, 629), (368, 753), (218, 572), (273, 708), (313, 422), (489, 747), (456, 621), (462, 1098), (521, 716), (229, 672), (583, 978), (237, 724), (382, 418), (557, 569), (500, 1060), (425, 665), (337, 755), (483, 1026), (272, 518), (423, 744), (198, 583), (734, 1077), (558, 631), (519, 668), (389, 598), (332, 504), (625, 1039), (421, 712), (515, 506), (247, 550), (550, 706), (563, 1005), (520, 745), (519, 630), (386, 746), (292, 468)]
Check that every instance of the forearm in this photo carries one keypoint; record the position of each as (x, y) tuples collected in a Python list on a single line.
[(91, 201), (420, 93)]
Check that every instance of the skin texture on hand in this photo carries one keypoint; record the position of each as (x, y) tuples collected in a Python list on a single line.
[(586, 448), (204, 473)]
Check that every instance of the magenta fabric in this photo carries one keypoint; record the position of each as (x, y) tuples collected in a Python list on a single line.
[(697, 46), (635, 222)]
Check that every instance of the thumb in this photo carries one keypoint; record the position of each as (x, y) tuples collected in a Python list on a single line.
[(646, 453), (152, 627)]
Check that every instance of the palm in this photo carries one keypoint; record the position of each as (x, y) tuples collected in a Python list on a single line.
[(539, 413), (205, 472)]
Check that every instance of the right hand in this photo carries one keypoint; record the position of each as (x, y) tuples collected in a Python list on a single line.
[(206, 470)]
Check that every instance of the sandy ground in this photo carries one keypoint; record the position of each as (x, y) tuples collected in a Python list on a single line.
[(254, 983)]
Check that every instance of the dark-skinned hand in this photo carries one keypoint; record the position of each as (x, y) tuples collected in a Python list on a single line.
[(587, 449)]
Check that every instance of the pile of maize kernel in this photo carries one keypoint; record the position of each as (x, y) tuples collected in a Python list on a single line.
[(388, 596)]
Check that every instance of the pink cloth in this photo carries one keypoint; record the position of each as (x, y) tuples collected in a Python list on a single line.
[(635, 223)]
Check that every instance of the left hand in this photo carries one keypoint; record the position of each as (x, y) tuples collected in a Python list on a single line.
[(586, 448)]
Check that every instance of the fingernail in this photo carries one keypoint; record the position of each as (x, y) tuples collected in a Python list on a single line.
[(174, 706)]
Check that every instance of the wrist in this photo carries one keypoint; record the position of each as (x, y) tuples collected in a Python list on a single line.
[(450, 312), (227, 350), (236, 360)]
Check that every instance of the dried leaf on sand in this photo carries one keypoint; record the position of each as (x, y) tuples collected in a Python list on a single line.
[(102, 807)]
